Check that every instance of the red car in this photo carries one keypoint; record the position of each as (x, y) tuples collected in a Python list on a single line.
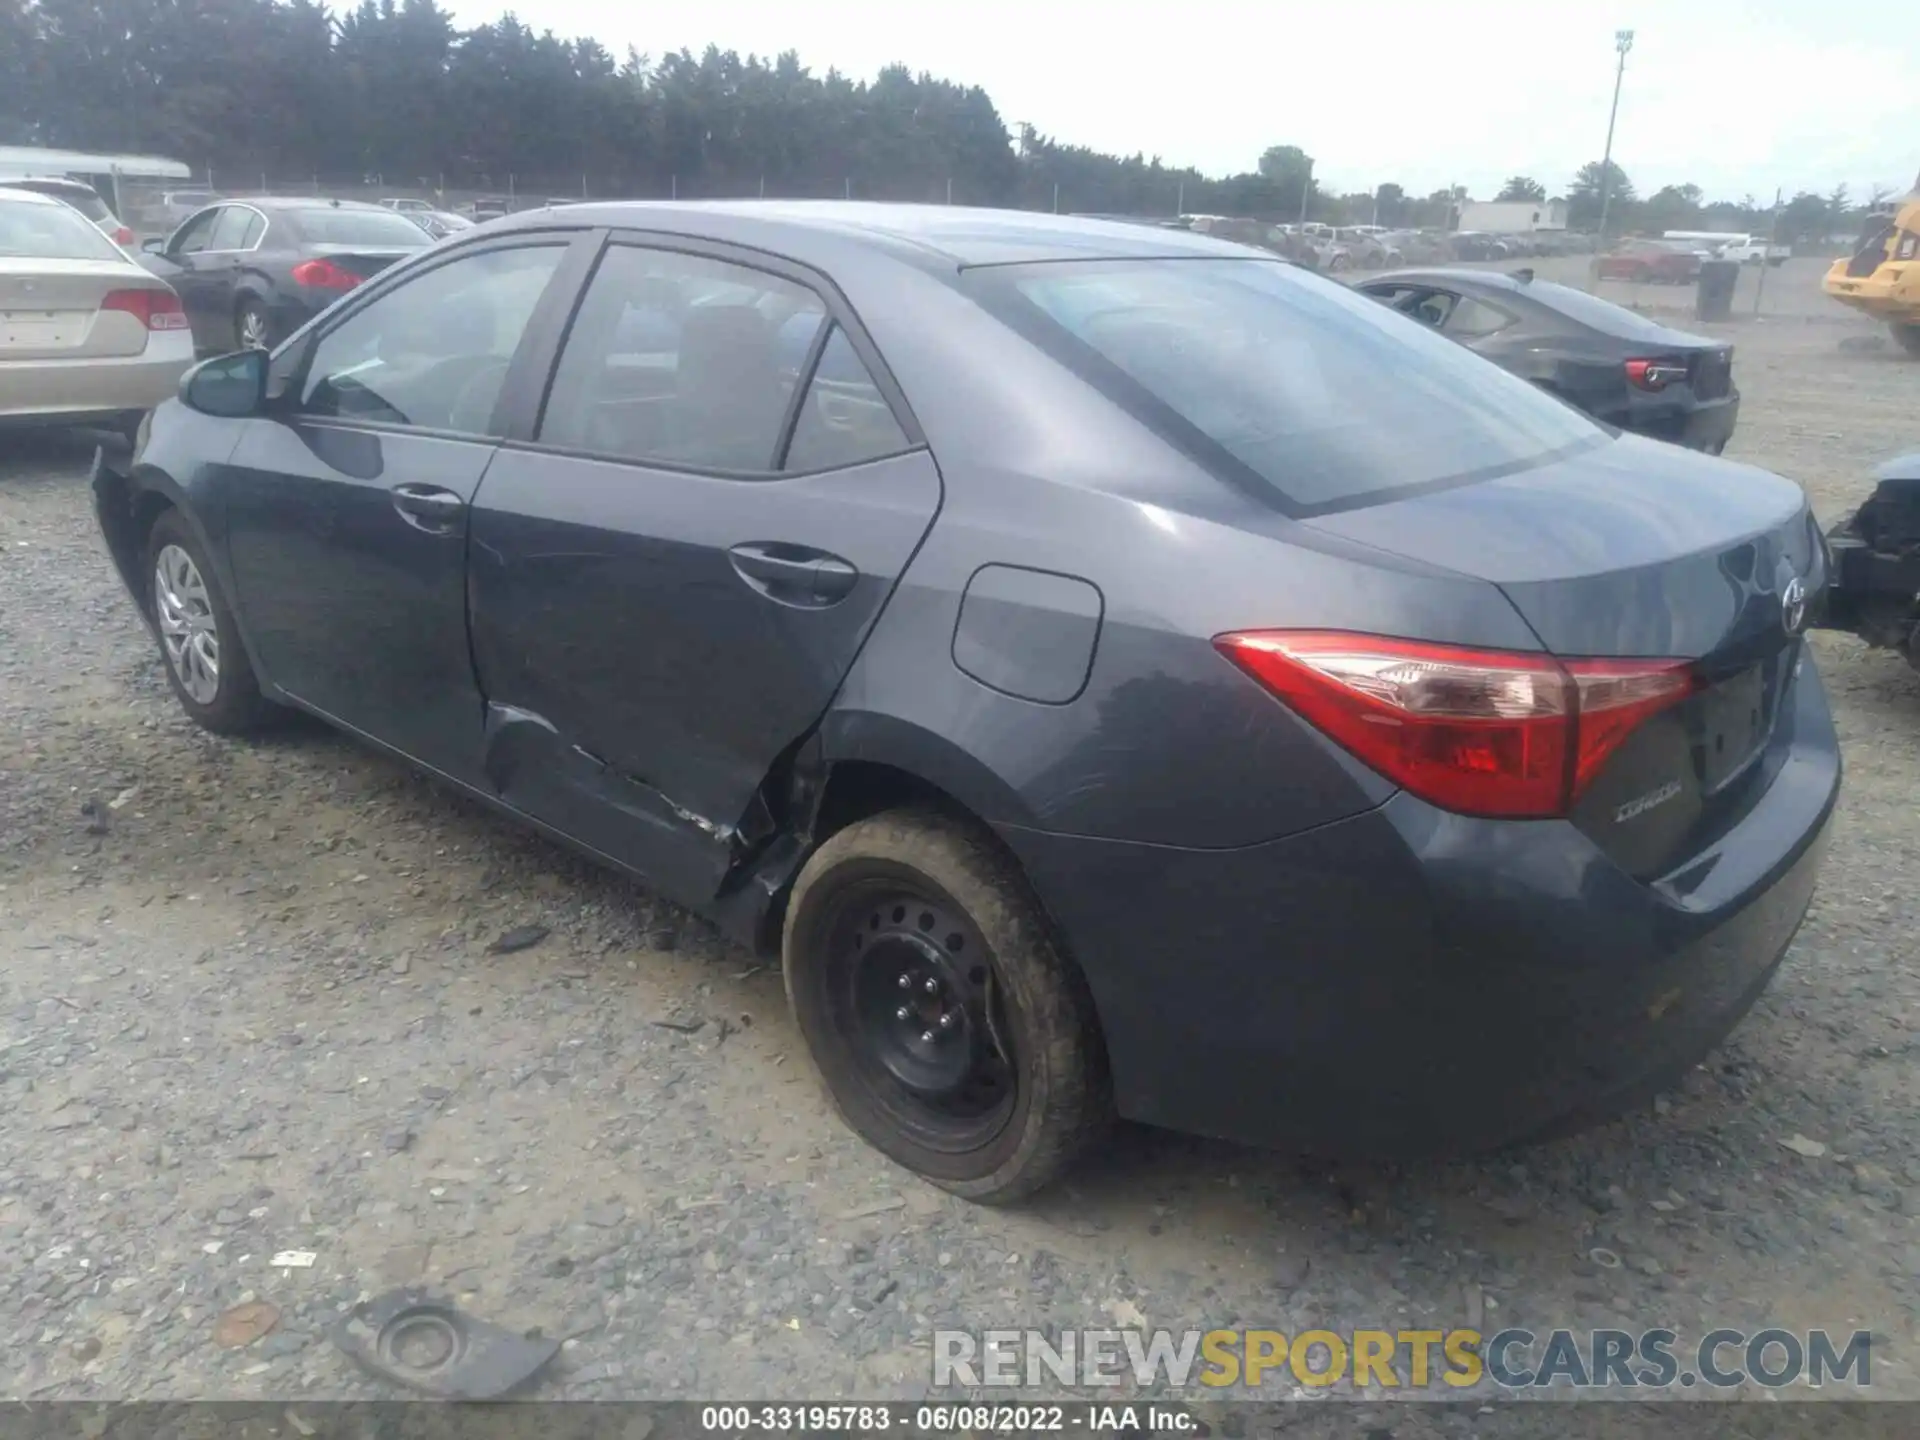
[(1650, 262)]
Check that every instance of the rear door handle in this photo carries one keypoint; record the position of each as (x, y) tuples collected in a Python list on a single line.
[(428, 507), (794, 574)]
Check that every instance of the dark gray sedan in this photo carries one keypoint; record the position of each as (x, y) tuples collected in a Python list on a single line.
[(252, 271), (1115, 670)]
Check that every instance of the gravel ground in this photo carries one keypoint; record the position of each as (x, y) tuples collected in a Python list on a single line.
[(250, 1006)]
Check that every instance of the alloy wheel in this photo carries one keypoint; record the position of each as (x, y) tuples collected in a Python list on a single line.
[(253, 329), (184, 612)]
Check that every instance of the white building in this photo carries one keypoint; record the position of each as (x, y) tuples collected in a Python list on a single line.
[(1511, 217)]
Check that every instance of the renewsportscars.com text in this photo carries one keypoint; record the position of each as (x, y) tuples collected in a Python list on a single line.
[(1656, 1358)]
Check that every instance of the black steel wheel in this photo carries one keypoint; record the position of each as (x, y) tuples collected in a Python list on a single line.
[(946, 1028)]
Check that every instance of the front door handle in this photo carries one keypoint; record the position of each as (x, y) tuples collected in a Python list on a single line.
[(428, 507), (794, 574)]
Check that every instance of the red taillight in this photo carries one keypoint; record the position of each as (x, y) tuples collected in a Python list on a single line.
[(123, 237), (1480, 732), (324, 275), (155, 309), (1654, 374)]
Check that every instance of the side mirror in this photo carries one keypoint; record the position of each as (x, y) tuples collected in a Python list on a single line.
[(230, 386), (154, 245)]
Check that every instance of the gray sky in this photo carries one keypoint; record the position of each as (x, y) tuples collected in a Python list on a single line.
[(1736, 96)]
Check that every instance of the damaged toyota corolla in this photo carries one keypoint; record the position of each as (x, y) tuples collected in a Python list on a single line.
[(1116, 671)]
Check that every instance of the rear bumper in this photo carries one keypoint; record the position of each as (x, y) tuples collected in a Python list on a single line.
[(1408, 982), (87, 389), (1697, 424)]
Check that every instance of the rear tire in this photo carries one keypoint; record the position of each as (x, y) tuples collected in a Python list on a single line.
[(947, 1030), (1907, 337), (206, 664)]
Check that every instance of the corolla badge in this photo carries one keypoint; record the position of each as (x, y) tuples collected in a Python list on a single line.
[(1793, 606)]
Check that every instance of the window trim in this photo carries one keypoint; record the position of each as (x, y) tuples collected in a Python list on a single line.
[(839, 312), (574, 243)]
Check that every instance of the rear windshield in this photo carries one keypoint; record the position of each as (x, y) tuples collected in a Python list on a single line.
[(1316, 392), (381, 228), (36, 228), (80, 197), (1602, 315)]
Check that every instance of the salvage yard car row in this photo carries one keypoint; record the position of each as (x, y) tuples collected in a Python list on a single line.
[(1067, 657)]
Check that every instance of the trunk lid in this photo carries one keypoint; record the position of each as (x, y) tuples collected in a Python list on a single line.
[(1639, 549), (366, 261), (50, 309)]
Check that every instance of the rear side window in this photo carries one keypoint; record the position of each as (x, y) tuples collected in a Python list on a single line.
[(1297, 383), (681, 360), (844, 420)]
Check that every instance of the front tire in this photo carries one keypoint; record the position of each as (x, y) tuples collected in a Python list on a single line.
[(1907, 337), (199, 642), (946, 1028)]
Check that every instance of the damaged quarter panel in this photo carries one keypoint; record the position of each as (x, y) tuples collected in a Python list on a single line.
[(1162, 741)]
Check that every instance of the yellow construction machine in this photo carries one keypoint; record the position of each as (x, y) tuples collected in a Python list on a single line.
[(1882, 277)]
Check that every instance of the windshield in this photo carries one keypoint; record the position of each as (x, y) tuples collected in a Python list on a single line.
[(1319, 393), (360, 227), (43, 230)]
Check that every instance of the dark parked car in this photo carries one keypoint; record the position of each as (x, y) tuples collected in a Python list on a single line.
[(1614, 363), (1650, 262), (1875, 592), (1114, 670), (251, 272)]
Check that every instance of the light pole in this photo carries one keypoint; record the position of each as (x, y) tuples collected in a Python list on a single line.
[(1306, 190), (1622, 42)]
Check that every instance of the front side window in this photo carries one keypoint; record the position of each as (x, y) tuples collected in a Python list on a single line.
[(1281, 377), (193, 237), (433, 352), (230, 230), (681, 360)]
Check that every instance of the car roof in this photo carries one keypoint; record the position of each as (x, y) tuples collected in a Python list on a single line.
[(956, 235), (292, 202)]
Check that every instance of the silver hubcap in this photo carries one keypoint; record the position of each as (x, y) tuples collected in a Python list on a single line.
[(253, 330), (185, 613)]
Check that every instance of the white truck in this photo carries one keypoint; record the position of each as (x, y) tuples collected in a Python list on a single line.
[(1733, 245)]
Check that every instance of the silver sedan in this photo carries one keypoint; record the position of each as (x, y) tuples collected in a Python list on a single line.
[(86, 335)]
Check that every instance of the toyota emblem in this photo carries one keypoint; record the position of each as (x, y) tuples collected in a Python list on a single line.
[(1793, 606)]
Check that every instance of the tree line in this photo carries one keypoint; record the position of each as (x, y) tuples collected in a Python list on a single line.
[(394, 93)]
